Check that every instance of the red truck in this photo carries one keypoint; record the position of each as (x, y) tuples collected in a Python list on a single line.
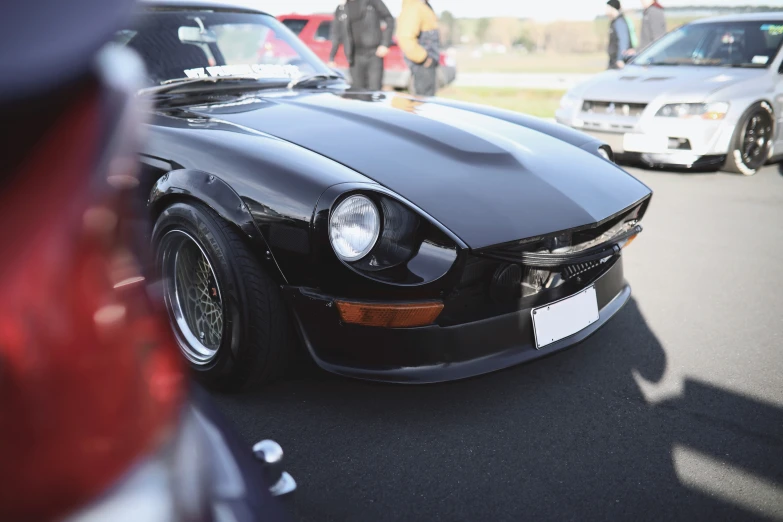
[(314, 30)]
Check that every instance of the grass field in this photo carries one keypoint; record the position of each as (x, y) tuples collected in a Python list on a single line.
[(542, 103), (517, 62)]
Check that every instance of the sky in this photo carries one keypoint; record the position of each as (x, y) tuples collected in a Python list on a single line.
[(537, 9)]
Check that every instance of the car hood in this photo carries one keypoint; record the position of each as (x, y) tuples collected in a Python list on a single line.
[(638, 84), (487, 180)]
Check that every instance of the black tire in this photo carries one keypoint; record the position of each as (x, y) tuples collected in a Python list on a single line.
[(750, 145), (253, 346)]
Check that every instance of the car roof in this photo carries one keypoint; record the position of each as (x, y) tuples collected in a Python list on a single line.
[(773, 16), (200, 4)]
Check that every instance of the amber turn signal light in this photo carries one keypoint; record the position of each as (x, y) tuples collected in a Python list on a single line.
[(388, 315), (630, 240)]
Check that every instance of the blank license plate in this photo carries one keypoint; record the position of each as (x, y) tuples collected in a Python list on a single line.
[(566, 317), (645, 143)]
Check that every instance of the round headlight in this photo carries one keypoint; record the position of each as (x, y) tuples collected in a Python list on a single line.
[(354, 227)]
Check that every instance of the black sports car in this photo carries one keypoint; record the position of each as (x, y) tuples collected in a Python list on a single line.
[(402, 239)]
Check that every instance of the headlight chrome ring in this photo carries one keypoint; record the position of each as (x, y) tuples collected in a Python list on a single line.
[(354, 227)]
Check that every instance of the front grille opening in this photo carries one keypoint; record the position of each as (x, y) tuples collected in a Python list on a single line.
[(571, 271), (496, 288), (679, 144), (495, 281), (607, 126), (613, 108)]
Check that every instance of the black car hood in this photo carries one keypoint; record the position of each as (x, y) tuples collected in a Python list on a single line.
[(489, 181)]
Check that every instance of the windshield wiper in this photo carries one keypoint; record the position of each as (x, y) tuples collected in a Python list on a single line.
[(304, 80), (177, 84)]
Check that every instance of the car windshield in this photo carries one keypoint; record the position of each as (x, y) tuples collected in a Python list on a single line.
[(734, 44), (177, 44)]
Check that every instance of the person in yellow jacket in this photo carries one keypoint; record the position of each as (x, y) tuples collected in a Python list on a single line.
[(419, 38)]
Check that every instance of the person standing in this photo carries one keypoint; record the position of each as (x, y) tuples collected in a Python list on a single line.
[(357, 26), (653, 23), (619, 35), (419, 38)]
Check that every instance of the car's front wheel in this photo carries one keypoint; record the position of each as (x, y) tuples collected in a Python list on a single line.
[(752, 140), (226, 313)]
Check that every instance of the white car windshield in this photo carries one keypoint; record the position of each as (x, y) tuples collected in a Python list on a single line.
[(720, 44), (176, 44)]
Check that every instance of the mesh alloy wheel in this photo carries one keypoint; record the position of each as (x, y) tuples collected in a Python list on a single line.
[(752, 140), (193, 297), (756, 138)]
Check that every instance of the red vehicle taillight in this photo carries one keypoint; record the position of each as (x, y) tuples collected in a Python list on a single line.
[(89, 378)]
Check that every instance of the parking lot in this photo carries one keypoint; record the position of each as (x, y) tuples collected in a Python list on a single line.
[(673, 411)]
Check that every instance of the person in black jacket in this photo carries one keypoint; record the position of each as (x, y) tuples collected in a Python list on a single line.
[(357, 26), (619, 35)]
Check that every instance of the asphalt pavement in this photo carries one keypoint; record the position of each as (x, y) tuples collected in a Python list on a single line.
[(673, 411)]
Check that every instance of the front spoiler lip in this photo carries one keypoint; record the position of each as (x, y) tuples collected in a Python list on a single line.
[(519, 353), (712, 161), (463, 370)]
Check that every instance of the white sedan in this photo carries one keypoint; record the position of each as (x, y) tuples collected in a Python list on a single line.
[(707, 94)]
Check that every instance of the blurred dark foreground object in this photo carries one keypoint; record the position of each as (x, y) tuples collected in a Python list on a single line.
[(96, 419)]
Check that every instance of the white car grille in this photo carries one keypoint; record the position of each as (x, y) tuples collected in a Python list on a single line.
[(610, 116)]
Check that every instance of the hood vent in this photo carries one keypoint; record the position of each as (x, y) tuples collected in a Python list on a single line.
[(657, 78)]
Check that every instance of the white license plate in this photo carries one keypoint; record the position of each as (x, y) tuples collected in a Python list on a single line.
[(564, 318), (645, 143)]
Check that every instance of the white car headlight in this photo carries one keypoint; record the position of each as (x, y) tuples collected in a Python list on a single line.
[(354, 227), (706, 111)]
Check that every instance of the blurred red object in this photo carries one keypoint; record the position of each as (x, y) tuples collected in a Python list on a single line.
[(90, 379), (315, 31)]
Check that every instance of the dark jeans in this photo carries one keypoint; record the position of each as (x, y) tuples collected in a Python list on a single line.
[(366, 71), (425, 80)]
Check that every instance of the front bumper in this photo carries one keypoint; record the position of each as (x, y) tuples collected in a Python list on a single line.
[(435, 353), (688, 142)]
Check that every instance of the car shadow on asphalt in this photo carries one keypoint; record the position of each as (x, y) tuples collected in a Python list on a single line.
[(569, 437)]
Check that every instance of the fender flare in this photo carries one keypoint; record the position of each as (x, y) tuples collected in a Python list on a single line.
[(215, 193)]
